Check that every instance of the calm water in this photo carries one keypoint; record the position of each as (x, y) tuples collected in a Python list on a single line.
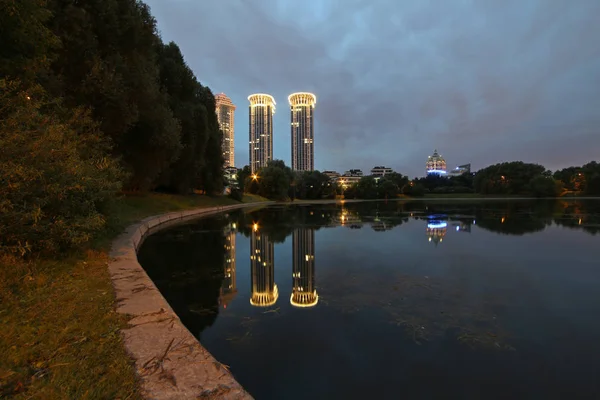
[(388, 301)]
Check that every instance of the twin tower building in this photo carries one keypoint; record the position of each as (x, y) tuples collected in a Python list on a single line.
[(262, 109)]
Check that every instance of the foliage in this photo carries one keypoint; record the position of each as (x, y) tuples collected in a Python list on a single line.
[(591, 172), (236, 194), (108, 62), (544, 186), (242, 175), (272, 182), (510, 178), (192, 104), (446, 184), (313, 185), (26, 40), (414, 190), (55, 177)]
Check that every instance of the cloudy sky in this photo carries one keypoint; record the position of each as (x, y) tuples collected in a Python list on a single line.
[(483, 81)]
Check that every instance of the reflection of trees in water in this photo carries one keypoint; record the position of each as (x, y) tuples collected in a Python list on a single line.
[(579, 215), (516, 217), (510, 217), (425, 307), (187, 265)]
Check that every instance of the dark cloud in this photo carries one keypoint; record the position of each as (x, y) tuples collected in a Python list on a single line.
[(482, 81)]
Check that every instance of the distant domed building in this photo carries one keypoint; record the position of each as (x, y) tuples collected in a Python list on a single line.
[(436, 164)]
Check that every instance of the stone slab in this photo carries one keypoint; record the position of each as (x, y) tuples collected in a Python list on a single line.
[(169, 360)]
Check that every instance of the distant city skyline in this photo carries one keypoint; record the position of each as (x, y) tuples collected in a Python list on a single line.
[(408, 76)]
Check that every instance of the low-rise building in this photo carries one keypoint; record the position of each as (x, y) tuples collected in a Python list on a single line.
[(353, 172), (230, 176), (332, 174), (380, 171), (461, 169)]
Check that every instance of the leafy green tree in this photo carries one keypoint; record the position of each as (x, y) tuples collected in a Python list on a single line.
[(56, 179), (366, 188), (543, 186), (591, 172), (507, 178), (274, 180), (212, 169), (27, 43), (242, 175), (191, 105), (314, 185), (108, 62)]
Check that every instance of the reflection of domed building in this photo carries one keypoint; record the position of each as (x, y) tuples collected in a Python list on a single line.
[(436, 164), (304, 293), (436, 230), (228, 288), (262, 270)]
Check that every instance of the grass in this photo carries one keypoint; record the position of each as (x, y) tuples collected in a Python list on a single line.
[(60, 334)]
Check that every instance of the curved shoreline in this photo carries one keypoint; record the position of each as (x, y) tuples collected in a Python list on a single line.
[(169, 361)]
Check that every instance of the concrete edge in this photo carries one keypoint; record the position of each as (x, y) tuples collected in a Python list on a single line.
[(170, 362)]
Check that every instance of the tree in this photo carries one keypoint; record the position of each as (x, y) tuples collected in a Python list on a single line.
[(366, 188), (242, 175), (314, 185), (507, 178), (193, 106), (591, 172), (108, 62), (543, 186), (274, 180), (56, 179), (27, 43)]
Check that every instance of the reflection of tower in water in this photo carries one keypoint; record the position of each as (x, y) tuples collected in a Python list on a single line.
[(436, 230), (228, 288), (304, 293), (262, 255)]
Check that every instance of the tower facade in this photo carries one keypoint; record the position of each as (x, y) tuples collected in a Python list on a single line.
[(304, 292), (228, 288), (302, 106), (225, 115), (262, 108), (262, 270)]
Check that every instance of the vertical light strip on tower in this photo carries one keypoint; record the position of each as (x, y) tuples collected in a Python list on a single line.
[(302, 106), (225, 115), (262, 108)]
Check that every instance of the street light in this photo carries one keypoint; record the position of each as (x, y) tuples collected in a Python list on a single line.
[(255, 177)]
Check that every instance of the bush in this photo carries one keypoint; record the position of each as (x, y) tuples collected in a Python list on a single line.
[(55, 175), (414, 190), (236, 194)]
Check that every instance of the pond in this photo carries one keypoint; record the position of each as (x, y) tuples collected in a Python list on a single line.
[(393, 300)]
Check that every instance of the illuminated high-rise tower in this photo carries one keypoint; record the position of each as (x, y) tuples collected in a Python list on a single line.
[(225, 115), (304, 293), (262, 108), (262, 270), (302, 106), (228, 288)]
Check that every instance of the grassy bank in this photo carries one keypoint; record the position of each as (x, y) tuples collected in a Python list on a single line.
[(60, 335)]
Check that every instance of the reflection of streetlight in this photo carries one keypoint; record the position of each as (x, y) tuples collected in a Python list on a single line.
[(255, 227)]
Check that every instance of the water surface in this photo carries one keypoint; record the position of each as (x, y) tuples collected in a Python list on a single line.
[(393, 300)]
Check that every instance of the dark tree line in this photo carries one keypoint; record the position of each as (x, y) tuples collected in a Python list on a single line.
[(96, 103)]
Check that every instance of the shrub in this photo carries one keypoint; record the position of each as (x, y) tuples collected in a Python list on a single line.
[(236, 194), (56, 177)]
